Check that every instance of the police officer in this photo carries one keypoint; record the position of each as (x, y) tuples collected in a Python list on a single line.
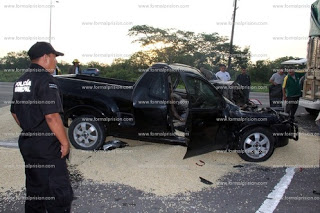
[(244, 80), (43, 143)]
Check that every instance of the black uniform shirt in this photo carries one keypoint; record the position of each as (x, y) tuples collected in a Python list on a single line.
[(36, 94)]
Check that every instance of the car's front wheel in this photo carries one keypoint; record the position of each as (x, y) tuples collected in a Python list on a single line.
[(87, 134), (256, 145)]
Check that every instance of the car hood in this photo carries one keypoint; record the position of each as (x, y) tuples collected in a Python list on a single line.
[(263, 115), (219, 82)]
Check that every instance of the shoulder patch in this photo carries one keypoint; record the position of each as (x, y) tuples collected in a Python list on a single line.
[(22, 86)]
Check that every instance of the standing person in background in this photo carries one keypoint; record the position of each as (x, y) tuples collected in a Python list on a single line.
[(291, 92), (244, 80), (75, 68), (223, 74), (277, 78), (275, 89)]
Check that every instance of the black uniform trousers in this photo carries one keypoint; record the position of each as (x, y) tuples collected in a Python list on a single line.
[(48, 185)]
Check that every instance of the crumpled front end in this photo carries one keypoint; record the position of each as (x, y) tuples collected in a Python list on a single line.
[(287, 128)]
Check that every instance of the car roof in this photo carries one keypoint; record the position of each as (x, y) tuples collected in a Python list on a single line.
[(176, 68)]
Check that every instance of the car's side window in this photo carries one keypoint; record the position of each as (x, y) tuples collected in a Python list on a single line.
[(158, 89), (201, 94)]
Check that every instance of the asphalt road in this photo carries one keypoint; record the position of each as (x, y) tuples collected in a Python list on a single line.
[(235, 196), (5, 93), (229, 197)]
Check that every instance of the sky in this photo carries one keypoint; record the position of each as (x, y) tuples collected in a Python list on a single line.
[(97, 30)]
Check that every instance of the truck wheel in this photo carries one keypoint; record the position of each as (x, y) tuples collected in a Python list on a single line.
[(312, 111), (256, 145), (86, 134)]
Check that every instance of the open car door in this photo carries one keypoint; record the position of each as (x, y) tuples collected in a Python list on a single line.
[(206, 108), (149, 98)]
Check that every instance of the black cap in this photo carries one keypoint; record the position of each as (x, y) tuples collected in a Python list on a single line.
[(222, 65), (42, 48)]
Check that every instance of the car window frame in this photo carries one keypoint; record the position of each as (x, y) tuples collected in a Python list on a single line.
[(209, 85)]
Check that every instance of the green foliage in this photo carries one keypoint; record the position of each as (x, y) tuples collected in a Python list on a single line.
[(122, 74), (259, 87), (162, 45), (13, 60), (262, 70), (177, 46), (64, 67), (12, 65), (9, 76)]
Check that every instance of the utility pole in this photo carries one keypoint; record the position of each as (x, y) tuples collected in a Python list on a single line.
[(232, 32), (50, 21), (51, 5)]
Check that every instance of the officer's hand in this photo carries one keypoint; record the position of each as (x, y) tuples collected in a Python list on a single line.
[(65, 149)]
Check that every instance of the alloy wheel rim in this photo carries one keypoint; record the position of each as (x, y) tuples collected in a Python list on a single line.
[(256, 145), (85, 134)]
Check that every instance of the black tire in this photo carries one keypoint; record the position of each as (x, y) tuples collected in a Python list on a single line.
[(312, 111), (86, 134), (257, 152), (283, 141)]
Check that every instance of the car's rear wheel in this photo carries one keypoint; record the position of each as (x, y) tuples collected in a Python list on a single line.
[(86, 134), (256, 145)]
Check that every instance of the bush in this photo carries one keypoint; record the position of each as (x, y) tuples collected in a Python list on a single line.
[(11, 76)]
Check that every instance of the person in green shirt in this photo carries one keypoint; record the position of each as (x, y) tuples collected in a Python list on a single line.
[(291, 92)]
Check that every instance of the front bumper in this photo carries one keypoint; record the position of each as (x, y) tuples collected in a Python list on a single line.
[(287, 129)]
